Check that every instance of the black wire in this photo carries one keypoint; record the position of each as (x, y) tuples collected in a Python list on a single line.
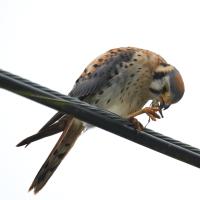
[(121, 120), (101, 118), (173, 141)]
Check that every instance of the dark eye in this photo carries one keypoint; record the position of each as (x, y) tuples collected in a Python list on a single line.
[(164, 64), (159, 75)]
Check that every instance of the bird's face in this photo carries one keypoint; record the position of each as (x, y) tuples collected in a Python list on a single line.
[(168, 85), (173, 89)]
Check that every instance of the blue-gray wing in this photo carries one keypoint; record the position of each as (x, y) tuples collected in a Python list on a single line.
[(100, 72)]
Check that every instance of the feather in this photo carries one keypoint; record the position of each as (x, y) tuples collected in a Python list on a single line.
[(71, 132)]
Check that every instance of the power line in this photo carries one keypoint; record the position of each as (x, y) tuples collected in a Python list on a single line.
[(100, 118)]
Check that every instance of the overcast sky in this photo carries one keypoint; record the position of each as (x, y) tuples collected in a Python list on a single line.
[(50, 42)]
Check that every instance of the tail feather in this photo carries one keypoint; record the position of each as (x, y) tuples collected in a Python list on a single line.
[(55, 125), (71, 132), (55, 118)]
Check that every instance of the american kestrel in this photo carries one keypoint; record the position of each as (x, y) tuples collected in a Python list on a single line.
[(121, 80)]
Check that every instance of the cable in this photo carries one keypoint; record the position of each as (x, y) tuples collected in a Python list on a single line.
[(99, 117)]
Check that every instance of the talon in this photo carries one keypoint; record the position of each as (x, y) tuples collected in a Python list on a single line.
[(136, 124), (152, 114), (158, 103), (151, 117), (150, 111)]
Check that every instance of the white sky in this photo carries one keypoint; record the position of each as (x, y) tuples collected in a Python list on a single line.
[(50, 42)]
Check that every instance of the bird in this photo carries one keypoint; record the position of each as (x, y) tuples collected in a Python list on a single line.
[(121, 80)]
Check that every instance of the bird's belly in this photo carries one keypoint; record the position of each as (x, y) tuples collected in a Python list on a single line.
[(124, 94), (121, 103), (122, 109)]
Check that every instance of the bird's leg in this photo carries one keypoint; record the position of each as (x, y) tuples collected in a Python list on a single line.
[(150, 111)]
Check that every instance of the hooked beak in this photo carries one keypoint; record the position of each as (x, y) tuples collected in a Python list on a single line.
[(163, 105)]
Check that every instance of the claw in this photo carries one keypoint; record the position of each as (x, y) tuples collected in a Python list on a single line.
[(136, 124), (158, 103), (151, 112)]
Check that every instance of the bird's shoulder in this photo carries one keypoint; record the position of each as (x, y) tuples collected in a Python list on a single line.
[(101, 70)]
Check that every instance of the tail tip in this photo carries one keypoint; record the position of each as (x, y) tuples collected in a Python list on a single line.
[(22, 143), (34, 189)]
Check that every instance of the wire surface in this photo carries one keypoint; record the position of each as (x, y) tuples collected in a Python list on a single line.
[(99, 117)]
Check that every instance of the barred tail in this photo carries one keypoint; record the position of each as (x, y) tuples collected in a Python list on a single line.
[(70, 133)]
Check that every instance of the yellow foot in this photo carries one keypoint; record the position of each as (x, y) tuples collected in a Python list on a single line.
[(150, 111)]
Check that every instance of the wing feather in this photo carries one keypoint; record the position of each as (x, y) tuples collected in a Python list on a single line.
[(100, 71)]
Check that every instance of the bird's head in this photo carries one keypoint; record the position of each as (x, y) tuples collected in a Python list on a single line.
[(169, 82), (173, 89)]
